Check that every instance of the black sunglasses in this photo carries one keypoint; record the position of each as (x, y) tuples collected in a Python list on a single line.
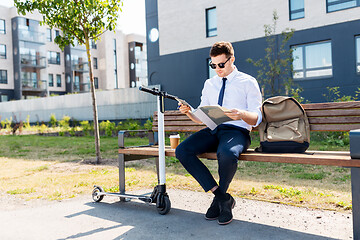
[(221, 65)]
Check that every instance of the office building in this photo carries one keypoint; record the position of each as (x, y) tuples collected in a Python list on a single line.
[(326, 42), (32, 64)]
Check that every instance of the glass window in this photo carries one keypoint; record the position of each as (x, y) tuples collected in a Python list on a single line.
[(357, 42), (211, 25), (93, 44), (54, 58), (3, 76), (96, 82), (58, 80), (57, 33), (2, 26), (312, 60), (2, 51), (336, 5), (95, 63), (48, 35), (297, 9), (4, 98), (51, 80), (211, 72)]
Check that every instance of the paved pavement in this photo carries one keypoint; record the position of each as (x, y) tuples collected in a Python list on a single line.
[(80, 218)]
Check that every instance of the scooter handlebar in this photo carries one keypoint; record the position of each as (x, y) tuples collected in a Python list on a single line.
[(155, 91)]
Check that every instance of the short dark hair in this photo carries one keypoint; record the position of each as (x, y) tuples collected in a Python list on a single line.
[(222, 48)]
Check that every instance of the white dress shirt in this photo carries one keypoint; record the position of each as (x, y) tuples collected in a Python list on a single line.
[(241, 92)]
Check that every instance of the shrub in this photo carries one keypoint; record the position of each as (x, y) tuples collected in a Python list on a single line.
[(86, 127), (53, 121), (149, 123), (108, 127)]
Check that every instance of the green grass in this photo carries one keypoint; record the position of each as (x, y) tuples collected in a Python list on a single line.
[(307, 185)]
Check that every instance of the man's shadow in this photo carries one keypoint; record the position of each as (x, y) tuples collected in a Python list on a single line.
[(143, 222)]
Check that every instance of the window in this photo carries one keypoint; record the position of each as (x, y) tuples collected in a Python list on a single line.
[(211, 26), (54, 58), (4, 98), (48, 35), (211, 72), (357, 43), (57, 33), (58, 80), (3, 77), (2, 51), (312, 60), (2, 26), (95, 63), (297, 9), (51, 80), (96, 82), (115, 66), (336, 5), (93, 44)]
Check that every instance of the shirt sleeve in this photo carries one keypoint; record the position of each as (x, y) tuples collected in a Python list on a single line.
[(254, 100), (204, 95)]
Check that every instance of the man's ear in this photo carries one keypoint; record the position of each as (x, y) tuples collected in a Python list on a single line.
[(232, 59)]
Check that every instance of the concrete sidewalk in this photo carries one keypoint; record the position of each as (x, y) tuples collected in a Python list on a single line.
[(81, 218)]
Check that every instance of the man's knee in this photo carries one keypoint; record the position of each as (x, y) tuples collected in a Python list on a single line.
[(227, 156), (181, 152)]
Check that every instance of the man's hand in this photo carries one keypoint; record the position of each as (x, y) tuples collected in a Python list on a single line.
[(235, 114), (184, 108)]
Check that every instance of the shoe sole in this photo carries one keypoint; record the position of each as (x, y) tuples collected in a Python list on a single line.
[(224, 223), (210, 219)]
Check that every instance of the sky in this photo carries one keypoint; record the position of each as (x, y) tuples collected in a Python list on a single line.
[(131, 19)]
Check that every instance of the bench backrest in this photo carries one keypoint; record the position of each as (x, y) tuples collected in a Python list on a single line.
[(332, 116)]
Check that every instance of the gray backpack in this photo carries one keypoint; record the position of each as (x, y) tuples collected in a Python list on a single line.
[(285, 127)]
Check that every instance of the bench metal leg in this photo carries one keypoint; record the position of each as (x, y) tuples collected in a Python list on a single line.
[(121, 159), (355, 189)]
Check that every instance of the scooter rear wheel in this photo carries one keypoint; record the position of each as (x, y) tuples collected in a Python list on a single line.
[(166, 205), (95, 196)]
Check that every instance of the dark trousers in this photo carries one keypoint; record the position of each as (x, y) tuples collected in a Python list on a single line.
[(227, 141)]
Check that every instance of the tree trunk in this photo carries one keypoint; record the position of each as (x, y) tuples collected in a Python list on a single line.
[(93, 96)]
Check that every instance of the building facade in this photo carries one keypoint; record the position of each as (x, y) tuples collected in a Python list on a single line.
[(32, 64), (326, 42)]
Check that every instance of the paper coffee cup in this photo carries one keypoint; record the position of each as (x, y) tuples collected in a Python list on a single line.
[(174, 141)]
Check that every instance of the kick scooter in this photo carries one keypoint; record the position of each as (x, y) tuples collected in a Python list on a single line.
[(159, 195)]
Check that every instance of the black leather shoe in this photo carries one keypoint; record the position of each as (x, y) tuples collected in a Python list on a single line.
[(214, 210), (225, 216)]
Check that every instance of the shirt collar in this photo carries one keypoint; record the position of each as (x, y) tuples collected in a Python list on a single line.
[(231, 75)]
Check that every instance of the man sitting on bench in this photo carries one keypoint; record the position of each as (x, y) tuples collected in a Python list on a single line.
[(236, 91)]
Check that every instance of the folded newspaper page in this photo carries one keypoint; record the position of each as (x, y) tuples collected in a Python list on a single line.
[(211, 116)]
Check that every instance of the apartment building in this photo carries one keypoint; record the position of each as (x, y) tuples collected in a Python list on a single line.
[(326, 42), (32, 65)]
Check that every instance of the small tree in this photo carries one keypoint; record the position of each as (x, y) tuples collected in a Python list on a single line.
[(80, 20), (275, 69)]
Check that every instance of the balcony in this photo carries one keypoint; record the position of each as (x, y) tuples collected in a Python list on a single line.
[(81, 87), (33, 61), (33, 87), (80, 67), (30, 36)]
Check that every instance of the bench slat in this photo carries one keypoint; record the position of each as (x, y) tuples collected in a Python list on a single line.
[(329, 158), (334, 127), (333, 120), (333, 112), (331, 105)]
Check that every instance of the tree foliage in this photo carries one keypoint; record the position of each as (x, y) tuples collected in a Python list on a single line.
[(276, 68), (77, 19), (80, 21)]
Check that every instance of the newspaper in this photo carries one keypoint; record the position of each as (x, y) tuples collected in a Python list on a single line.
[(211, 116)]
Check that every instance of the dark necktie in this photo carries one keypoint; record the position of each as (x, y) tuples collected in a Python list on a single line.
[(221, 95)]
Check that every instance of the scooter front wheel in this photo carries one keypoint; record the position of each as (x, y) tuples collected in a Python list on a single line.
[(166, 205)]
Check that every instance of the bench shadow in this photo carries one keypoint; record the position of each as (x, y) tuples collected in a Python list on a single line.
[(142, 221)]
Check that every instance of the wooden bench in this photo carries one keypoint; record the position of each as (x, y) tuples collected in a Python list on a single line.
[(337, 116)]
